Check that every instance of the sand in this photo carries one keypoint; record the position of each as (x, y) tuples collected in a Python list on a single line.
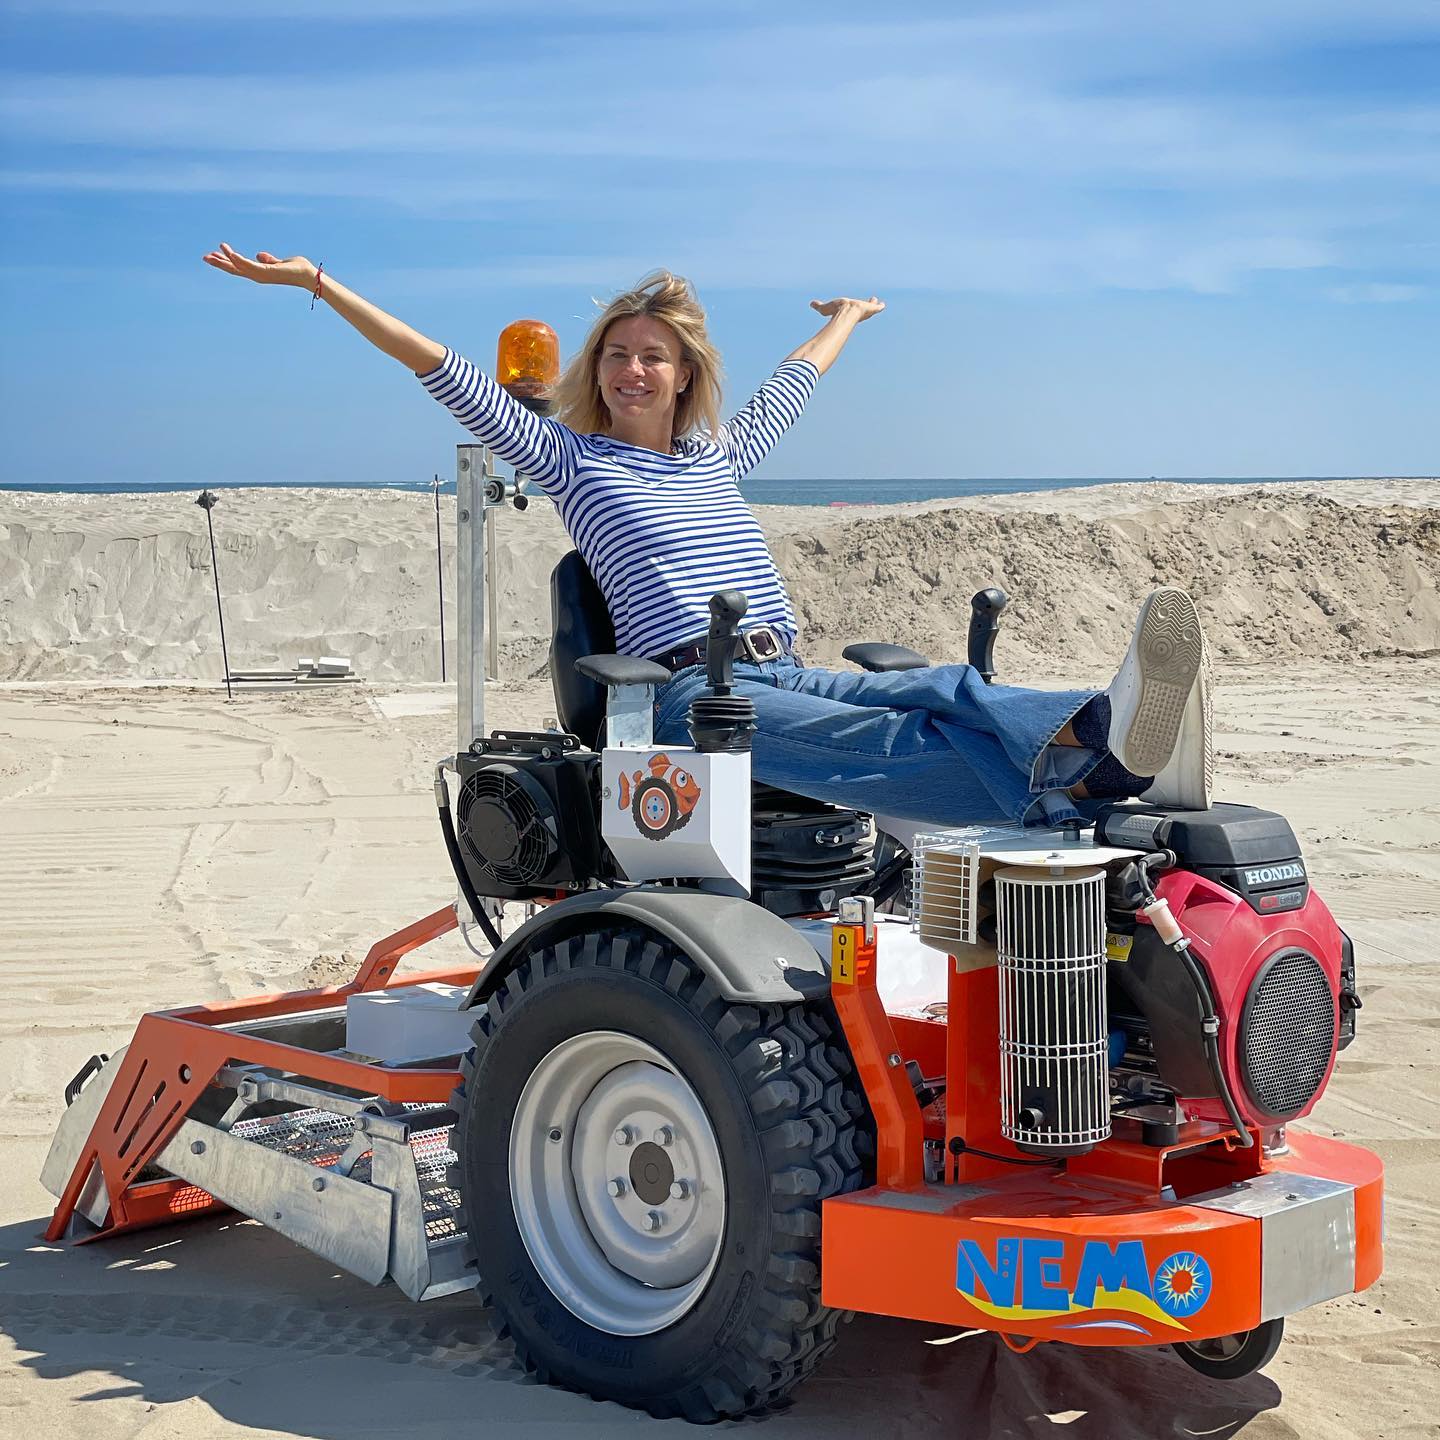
[(159, 846)]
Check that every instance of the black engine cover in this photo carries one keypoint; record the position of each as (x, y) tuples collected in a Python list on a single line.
[(806, 854), (1253, 852)]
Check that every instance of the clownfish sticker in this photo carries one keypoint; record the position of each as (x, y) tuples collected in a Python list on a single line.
[(662, 801)]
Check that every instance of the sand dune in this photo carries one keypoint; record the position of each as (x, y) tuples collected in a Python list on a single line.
[(122, 586)]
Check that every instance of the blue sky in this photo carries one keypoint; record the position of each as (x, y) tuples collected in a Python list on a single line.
[(1116, 239)]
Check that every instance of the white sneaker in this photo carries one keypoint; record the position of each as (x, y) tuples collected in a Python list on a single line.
[(1187, 782), (1150, 693)]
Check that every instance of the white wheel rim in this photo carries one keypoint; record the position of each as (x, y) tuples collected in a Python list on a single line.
[(616, 1183)]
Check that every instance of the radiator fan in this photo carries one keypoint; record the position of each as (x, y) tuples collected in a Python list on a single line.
[(507, 825)]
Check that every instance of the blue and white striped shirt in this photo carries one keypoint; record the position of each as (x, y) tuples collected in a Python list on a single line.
[(660, 533)]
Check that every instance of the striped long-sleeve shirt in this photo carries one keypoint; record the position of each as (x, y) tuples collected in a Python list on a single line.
[(660, 533)]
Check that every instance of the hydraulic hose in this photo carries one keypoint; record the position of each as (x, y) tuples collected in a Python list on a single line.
[(1209, 1020), (1210, 1026), (462, 875)]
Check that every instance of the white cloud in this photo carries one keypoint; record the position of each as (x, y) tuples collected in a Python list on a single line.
[(1026, 148), (1376, 293)]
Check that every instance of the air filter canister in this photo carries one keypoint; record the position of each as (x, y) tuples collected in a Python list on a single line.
[(1054, 1093)]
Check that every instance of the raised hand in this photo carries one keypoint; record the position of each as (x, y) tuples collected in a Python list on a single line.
[(859, 309), (265, 268)]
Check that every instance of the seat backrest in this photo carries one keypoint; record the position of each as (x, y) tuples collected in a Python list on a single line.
[(579, 625)]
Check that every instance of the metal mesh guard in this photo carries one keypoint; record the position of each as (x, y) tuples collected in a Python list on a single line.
[(319, 1138), (1287, 1032), (944, 882)]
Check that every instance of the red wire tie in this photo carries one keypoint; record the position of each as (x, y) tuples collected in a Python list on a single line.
[(319, 288)]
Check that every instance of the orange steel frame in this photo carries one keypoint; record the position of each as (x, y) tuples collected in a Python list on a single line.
[(1110, 1195), (1104, 1198), (177, 1053)]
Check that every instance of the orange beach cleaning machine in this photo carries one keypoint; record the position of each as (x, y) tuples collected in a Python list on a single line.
[(724, 1085)]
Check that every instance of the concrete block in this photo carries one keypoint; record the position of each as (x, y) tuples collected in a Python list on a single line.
[(410, 1022)]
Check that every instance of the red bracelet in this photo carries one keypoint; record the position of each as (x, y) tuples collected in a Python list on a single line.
[(319, 288)]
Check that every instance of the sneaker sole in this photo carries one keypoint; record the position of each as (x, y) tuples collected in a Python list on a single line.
[(1169, 651)]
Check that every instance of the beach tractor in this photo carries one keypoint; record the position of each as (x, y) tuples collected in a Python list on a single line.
[(754, 1062)]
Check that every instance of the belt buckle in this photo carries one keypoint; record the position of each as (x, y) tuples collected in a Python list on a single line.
[(761, 644)]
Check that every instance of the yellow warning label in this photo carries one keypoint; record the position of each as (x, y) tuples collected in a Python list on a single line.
[(1117, 947), (842, 956)]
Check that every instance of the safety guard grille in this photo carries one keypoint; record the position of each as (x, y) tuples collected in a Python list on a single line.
[(1054, 1029), (944, 884), (1287, 1032)]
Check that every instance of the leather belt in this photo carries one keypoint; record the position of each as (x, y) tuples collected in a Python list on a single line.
[(759, 643)]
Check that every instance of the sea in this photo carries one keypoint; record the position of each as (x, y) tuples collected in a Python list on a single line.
[(832, 492)]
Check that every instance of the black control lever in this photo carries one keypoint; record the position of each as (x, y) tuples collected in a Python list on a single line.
[(727, 610), (720, 719), (985, 608)]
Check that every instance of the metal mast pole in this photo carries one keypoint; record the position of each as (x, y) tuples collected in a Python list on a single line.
[(440, 575), (473, 471), (206, 501), (492, 601)]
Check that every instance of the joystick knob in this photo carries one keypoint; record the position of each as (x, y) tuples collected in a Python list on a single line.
[(720, 720)]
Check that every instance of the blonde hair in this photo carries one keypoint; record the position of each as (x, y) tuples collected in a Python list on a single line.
[(671, 300)]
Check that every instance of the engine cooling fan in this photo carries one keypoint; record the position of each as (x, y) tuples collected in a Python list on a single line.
[(507, 824)]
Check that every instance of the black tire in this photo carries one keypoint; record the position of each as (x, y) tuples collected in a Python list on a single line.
[(1232, 1357), (791, 1126)]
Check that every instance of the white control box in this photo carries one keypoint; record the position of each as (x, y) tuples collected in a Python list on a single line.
[(672, 812)]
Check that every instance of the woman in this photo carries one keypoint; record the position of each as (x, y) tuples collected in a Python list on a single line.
[(646, 480)]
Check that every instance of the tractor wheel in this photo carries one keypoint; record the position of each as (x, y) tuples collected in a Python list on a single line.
[(642, 1165), (1232, 1357)]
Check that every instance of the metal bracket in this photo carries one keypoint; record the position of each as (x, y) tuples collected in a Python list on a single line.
[(629, 717)]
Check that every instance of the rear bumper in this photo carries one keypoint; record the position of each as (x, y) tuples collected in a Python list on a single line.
[(1093, 1261)]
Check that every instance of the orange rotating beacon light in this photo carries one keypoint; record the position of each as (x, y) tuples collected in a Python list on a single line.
[(527, 363)]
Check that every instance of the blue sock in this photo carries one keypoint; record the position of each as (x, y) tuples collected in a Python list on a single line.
[(1091, 723), (1109, 780)]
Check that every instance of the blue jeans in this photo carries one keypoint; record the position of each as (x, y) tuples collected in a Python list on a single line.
[(937, 744)]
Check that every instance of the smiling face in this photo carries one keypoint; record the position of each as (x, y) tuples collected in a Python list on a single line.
[(641, 370)]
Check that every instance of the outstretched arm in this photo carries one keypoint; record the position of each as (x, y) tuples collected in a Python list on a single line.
[(823, 349), (541, 448), (384, 331)]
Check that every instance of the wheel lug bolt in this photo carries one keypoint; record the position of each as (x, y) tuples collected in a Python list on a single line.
[(554, 1134), (624, 1135), (664, 1136), (616, 1187), (680, 1190), (654, 1220)]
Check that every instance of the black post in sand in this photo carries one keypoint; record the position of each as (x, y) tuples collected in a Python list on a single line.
[(206, 501), (440, 575)]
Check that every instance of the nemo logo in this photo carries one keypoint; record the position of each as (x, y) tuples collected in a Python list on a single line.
[(662, 801)]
